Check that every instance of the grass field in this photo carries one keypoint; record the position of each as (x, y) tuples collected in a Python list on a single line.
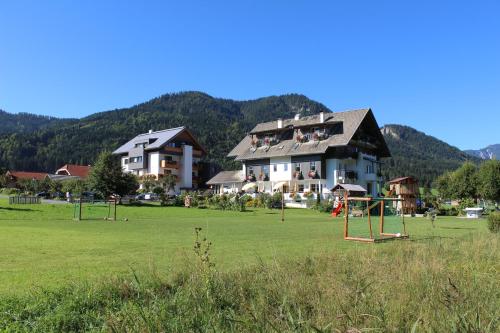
[(41, 246)]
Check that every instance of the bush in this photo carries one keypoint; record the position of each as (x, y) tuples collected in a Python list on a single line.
[(494, 222)]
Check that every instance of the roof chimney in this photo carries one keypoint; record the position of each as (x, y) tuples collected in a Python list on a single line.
[(297, 116), (280, 123), (321, 117), (150, 131)]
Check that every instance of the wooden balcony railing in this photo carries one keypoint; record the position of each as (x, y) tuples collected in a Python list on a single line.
[(169, 164)]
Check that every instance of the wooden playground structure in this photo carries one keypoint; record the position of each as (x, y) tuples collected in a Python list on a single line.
[(370, 204)]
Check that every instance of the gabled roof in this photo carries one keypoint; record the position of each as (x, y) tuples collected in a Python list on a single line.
[(27, 175), (225, 177), (351, 121), (349, 188), (401, 179), (161, 139), (81, 171)]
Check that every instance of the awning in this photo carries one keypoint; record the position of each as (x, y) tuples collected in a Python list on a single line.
[(279, 185), (249, 186)]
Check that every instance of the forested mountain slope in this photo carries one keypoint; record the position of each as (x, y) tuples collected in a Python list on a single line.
[(219, 124), (38, 143), (417, 154)]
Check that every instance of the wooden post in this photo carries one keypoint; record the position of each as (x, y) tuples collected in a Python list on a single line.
[(114, 216), (381, 223), (282, 205), (346, 213), (369, 219), (80, 211)]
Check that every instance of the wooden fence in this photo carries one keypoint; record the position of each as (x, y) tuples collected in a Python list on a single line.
[(24, 200)]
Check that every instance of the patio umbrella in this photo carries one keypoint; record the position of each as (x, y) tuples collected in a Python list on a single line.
[(248, 187), (279, 186)]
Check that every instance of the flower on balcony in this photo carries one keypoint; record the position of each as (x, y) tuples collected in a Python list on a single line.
[(315, 136), (300, 138), (267, 141), (299, 175), (313, 174), (251, 178), (308, 195)]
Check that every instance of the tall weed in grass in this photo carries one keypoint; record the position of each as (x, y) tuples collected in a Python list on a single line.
[(439, 285)]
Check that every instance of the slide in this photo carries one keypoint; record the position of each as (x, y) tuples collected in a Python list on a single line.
[(337, 210)]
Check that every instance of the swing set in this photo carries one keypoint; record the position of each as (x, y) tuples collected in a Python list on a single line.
[(356, 210)]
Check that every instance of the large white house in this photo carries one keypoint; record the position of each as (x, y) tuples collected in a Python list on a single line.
[(172, 151), (309, 154)]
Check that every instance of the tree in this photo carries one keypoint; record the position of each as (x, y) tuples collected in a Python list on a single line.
[(464, 182), (107, 177), (148, 182), (489, 180), (73, 186), (168, 181), (443, 185)]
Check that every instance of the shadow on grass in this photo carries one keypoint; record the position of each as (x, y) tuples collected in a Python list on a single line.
[(20, 209), (464, 228)]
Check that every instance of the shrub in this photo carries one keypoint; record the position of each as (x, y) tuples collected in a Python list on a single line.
[(494, 222)]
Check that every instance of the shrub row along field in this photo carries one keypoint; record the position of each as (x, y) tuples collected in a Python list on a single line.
[(258, 274)]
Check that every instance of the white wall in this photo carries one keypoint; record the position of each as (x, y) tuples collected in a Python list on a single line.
[(125, 166), (332, 165), (280, 173), (154, 163), (187, 166)]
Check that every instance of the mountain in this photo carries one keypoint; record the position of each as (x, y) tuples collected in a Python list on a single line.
[(26, 122), (219, 124), (488, 153), (416, 154), (38, 143)]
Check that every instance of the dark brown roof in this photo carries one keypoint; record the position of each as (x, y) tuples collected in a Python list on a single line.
[(329, 118), (351, 122)]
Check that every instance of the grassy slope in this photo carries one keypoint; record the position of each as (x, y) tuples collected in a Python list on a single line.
[(42, 246)]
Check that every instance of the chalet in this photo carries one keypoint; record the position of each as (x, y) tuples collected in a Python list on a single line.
[(80, 171), (172, 151), (13, 177), (313, 153)]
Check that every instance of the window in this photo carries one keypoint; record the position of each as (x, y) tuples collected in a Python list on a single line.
[(168, 158), (369, 168), (312, 166), (125, 161), (313, 188), (275, 167), (297, 166), (301, 187), (285, 167), (250, 170), (137, 159)]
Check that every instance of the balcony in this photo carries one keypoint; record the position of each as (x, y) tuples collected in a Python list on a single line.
[(196, 167), (169, 164), (346, 176)]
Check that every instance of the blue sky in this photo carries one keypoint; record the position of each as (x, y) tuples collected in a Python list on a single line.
[(432, 65)]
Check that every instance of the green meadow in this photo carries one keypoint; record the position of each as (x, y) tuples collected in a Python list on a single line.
[(41, 246)]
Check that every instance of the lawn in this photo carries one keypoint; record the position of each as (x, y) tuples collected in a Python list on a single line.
[(41, 246)]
